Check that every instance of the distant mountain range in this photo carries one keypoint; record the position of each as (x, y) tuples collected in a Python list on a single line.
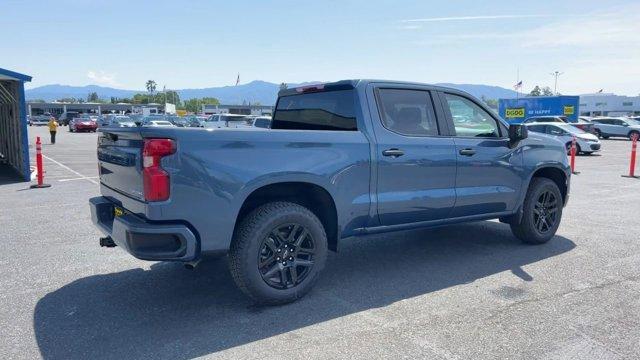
[(256, 91)]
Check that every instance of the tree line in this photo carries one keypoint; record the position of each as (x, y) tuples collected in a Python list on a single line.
[(150, 97)]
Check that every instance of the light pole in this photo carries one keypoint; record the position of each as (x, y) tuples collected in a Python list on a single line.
[(556, 74)]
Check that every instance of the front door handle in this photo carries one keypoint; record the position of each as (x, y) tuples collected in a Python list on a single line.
[(467, 152), (393, 152)]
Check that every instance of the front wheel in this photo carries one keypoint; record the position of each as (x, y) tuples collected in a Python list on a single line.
[(542, 211), (598, 133), (568, 146), (278, 252)]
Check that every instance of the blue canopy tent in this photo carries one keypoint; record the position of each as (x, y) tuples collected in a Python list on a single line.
[(14, 142)]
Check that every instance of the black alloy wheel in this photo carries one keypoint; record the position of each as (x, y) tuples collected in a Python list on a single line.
[(286, 256), (545, 212)]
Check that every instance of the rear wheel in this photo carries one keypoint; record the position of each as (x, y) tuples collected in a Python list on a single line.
[(542, 211), (278, 252), (633, 134)]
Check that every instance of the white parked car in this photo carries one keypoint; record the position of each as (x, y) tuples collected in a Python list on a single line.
[(586, 143), (39, 120), (219, 121), (262, 122)]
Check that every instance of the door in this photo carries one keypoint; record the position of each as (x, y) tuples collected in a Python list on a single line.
[(415, 165), (606, 126), (489, 175), (620, 127)]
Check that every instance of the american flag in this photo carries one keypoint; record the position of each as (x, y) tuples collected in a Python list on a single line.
[(518, 85)]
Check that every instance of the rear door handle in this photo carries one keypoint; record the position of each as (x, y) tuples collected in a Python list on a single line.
[(393, 152), (467, 152)]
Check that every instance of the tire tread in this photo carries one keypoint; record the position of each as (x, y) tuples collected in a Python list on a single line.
[(243, 239)]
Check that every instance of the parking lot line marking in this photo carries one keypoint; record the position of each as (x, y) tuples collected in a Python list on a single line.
[(69, 169), (79, 178)]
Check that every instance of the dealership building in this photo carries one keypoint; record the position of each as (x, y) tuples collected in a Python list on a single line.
[(57, 108), (607, 104)]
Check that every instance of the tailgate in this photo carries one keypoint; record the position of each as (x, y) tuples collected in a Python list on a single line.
[(119, 161)]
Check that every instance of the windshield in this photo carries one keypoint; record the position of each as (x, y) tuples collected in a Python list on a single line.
[(121, 119), (233, 118), (632, 122)]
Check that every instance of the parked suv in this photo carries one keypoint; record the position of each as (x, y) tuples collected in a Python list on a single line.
[(341, 160), (617, 127), (219, 121)]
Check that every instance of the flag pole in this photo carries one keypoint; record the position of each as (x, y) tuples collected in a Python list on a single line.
[(517, 82)]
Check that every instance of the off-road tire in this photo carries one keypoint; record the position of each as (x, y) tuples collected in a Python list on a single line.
[(526, 229), (248, 241)]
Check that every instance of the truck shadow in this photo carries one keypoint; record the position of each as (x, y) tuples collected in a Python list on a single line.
[(171, 312)]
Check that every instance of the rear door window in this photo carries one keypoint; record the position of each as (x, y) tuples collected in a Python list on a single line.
[(537, 128), (552, 130), (325, 110), (407, 112)]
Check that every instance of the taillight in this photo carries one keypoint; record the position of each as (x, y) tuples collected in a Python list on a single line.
[(310, 88), (155, 179)]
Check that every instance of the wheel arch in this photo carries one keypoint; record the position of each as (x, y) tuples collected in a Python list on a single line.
[(314, 197), (555, 174)]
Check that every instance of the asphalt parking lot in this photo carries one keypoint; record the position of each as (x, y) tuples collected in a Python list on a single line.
[(457, 292)]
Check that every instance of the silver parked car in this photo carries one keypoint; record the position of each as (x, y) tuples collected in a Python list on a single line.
[(585, 142), (119, 121), (219, 121), (262, 122), (616, 127)]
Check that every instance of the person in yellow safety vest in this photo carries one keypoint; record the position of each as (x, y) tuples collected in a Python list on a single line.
[(53, 129)]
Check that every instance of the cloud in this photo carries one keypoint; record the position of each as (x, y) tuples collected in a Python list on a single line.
[(102, 78), (617, 28), (471, 18)]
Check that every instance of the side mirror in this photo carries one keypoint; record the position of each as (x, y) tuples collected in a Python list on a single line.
[(517, 132)]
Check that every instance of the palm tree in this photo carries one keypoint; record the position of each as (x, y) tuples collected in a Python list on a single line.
[(151, 86)]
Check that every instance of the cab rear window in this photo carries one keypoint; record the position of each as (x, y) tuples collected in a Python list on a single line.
[(326, 110)]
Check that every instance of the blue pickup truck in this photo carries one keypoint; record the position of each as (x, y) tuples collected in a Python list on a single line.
[(342, 159)]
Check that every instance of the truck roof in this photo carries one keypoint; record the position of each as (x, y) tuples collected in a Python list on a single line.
[(353, 83)]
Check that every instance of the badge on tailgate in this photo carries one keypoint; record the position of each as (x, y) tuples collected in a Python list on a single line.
[(118, 211)]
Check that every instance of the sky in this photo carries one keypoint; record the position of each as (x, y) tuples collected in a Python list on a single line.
[(197, 44)]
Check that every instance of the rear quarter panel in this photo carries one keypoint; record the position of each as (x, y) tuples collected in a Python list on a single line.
[(214, 171)]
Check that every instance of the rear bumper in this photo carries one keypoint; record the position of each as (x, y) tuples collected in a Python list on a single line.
[(143, 239)]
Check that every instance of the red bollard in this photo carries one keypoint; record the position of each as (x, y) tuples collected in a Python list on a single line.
[(632, 165), (39, 167), (573, 156)]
